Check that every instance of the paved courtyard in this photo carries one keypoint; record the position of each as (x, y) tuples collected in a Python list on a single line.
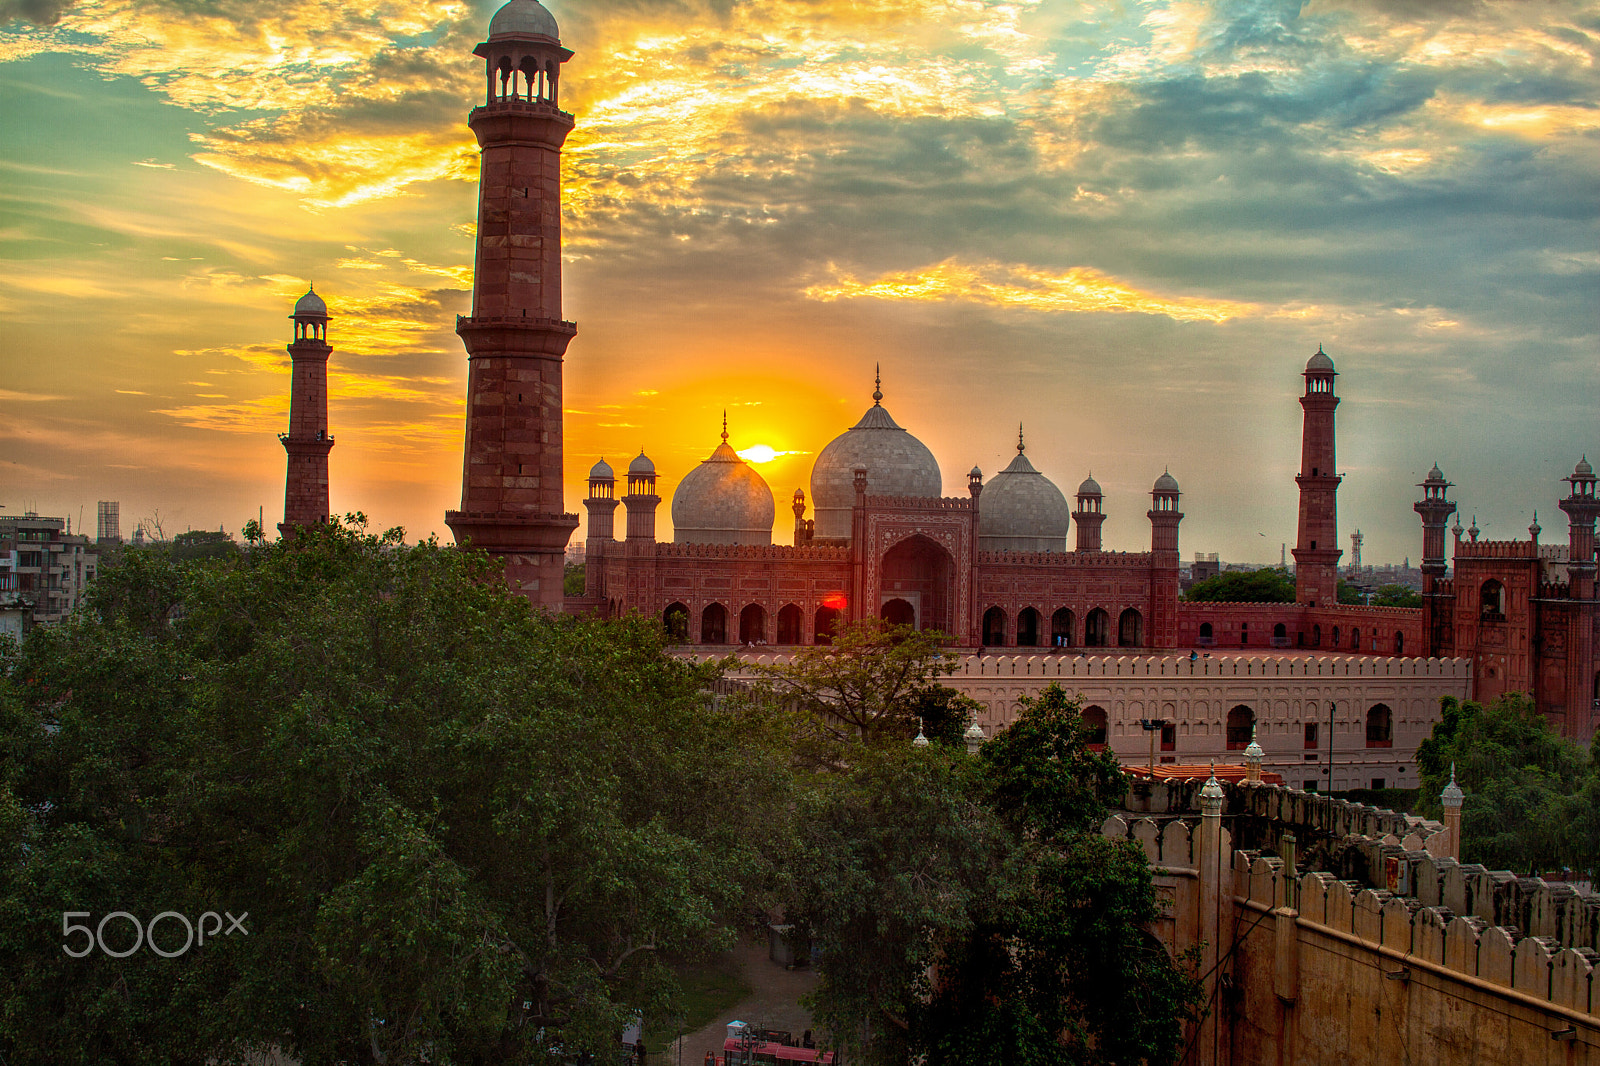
[(773, 1003)]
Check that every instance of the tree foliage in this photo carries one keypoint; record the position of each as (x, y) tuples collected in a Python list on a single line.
[(1396, 596), (1530, 794), (969, 910), (461, 830), (869, 683), (1267, 585)]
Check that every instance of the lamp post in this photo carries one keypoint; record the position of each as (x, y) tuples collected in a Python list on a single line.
[(1153, 726), (974, 737)]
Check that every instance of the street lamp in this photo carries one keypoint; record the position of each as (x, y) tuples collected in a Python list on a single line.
[(1153, 726), (974, 737)]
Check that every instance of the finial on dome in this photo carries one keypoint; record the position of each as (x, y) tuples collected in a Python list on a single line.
[(1535, 529), (1452, 794), (1019, 438), (1212, 789), (724, 425), (877, 384)]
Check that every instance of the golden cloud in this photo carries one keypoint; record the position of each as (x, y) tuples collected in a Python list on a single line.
[(1080, 290)]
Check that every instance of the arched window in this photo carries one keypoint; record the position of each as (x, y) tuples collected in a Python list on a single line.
[(1241, 721), (675, 619), (1335, 636), (1399, 643), (1095, 628), (1380, 727), (1206, 638), (1355, 639), (1130, 629), (994, 628), (1280, 635), (1492, 601), (1094, 721), (714, 624), (753, 624), (1028, 628), (1061, 628), (789, 619), (827, 618), (1316, 635), (898, 612)]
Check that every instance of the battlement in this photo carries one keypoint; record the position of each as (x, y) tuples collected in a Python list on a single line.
[(1329, 666), (1496, 549), (919, 503), (1065, 560), (772, 552)]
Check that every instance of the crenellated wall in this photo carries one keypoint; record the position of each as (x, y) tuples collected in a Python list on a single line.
[(1399, 954)]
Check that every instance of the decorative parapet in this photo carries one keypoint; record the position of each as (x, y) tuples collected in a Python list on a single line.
[(1548, 952), (765, 552), (1497, 549), (1065, 560), (919, 503), (1071, 665)]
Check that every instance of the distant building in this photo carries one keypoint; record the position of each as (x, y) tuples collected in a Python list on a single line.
[(44, 565), (108, 522)]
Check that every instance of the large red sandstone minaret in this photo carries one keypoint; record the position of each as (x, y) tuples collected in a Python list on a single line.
[(1316, 552), (511, 498), (305, 488)]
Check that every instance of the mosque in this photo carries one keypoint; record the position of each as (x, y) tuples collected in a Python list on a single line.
[(993, 569)]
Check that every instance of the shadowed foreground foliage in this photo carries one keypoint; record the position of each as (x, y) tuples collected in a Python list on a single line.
[(460, 830), (968, 909)]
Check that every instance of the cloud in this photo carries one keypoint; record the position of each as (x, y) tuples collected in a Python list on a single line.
[(39, 12), (1078, 290)]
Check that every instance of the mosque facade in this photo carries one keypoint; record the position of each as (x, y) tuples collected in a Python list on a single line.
[(876, 538)]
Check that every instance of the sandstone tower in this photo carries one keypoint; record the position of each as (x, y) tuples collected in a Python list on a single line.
[(511, 498), (1316, 552), (305, 487)]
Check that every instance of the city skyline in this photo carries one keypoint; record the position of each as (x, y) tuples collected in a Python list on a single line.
[(1125, 227)]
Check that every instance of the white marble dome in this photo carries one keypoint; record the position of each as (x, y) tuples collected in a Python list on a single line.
[(897, 463), (723, 501), (310, 305), (1021, 510), (1320, 361), (523, 17)]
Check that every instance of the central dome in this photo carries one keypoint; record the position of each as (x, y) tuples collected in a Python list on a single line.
[(523, 17), (897, 463), (1021, 510), (723, 501)]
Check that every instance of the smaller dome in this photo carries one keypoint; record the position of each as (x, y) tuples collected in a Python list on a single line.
[(601, 471), (310, 305), (1436, 474), (1320, 361), (523, 17), (642, 466), (1090, 487), (723, 501), (975, 472), (1583, 469), (1166, 483)]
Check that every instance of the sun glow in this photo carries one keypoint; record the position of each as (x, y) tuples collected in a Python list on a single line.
[(763, 453)]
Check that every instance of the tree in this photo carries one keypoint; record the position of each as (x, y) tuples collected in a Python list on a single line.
[(1396, 596), (1268, 585), (969, 910), (461, 830), (869, 683), (572, 579), (1348, 593), (1526, 787)]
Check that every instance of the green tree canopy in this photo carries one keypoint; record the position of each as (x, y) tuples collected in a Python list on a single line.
[(1268, 585), (1529, 792), (1396, 596), (968, 909), (461, 830)]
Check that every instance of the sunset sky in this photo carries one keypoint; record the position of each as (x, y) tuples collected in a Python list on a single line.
[(1124, 224)]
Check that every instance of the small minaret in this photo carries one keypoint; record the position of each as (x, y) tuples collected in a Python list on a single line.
[(1161, 629), (305, 487), (1435, 509), (803, 529), (1451, 798), (601, 505), (1252, 759), (1211, 865), (1582, 506), (1316, 551), (641, 502), (1089, 515)]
